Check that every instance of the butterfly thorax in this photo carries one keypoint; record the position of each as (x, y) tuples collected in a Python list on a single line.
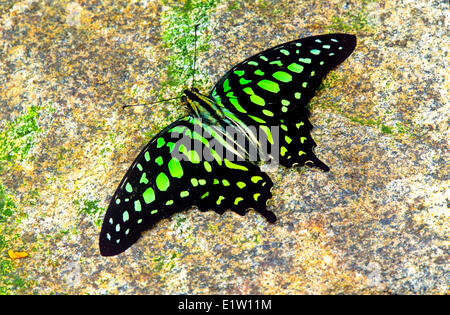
[(203, 107), (215, 115)]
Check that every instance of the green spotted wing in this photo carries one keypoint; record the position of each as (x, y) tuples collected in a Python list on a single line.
[(273, 88), (189, 163), (174, 173)]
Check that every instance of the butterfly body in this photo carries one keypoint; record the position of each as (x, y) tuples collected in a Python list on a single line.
[(208, 159)]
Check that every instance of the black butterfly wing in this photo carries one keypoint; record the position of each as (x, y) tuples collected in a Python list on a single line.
[(273, 88), (180, 168)]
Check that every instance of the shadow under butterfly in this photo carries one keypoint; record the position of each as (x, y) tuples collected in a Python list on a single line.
[(211, 169)]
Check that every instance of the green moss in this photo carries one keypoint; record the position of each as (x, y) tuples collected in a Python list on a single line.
[(178, 36), (7, 206), (90, 209), (351, 21), (386, 129), (10, 283), (329, 81), (17, 137), (166, 263)]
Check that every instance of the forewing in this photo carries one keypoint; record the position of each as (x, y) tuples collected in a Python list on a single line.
[(178, 169), (274, 87)]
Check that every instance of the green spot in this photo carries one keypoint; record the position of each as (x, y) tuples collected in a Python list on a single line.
[(193, 156), (243, 81), (298, 125), (178, 129), (276, 62), (313, 73), (149, 195), (219, 200), (139, 221), (162, 182), (326, 46), (322, 63), (302, 139), (284, 109), (300, 153), (241, 184), (128, 188), (287, 139), (239, 73), (175, 168), (248, 90), (267, 112), (184, 193), (263, 58), (282, 76), (268, 133), (259, 72), (284, 127), (125, 216), (298, 44), (147, 156), (151, 212), (256, 196), (206, 194), (225, 182), (194, 182), (137, 205), (297, 95), (139, 166), (285, 102), (117, 227), (160, 142), (169, 202), (257, 119), (117, 201), (304, 60), (202, 182), (237, 200), (226, 85), (256, 179), (269, 85), (315, 52), (216, 181), (159, 160), (257, 100), (253, 63), (234, 165), (216, 157), (283, 150), (304, 84), (284, 52), (295, 67), (238, 106), (318, 41), (143, 179), (207, 166)]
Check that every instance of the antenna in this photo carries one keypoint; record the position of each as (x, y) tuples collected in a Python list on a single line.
[(160, 101), (195, 54)]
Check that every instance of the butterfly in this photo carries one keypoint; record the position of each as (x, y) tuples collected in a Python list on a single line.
[(208, 159)]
